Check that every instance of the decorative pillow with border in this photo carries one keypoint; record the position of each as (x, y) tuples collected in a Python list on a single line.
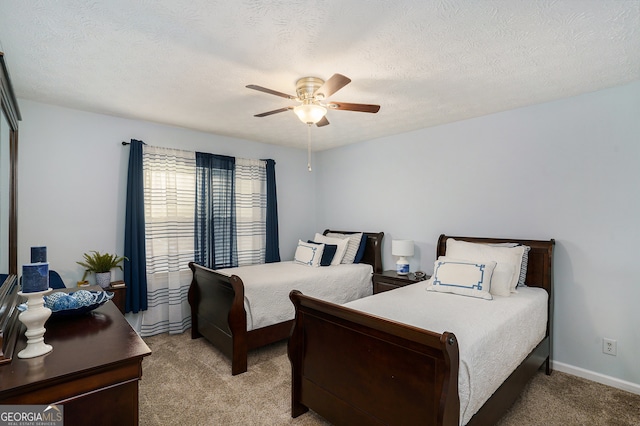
[(340, 251), (352, 247), (308, 254), (463, 277), (327, 253), (508, 260)]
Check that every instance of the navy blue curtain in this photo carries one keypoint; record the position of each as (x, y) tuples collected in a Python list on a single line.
[(135, 269), (272, 253), (215, 227)]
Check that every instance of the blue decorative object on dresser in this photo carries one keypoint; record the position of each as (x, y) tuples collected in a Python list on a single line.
[(38, 254), (35, 277), (75, 303)]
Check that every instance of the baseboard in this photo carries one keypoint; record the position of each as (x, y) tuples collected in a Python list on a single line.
[(596, 377)]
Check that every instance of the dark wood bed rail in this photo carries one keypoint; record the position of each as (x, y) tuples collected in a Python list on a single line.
[(390, 347)]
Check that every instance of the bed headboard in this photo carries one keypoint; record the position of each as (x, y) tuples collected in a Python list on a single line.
[(540, 267), (373, 248)]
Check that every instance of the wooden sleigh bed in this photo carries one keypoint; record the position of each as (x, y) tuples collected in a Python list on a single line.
[(355, 368), (218, 311)]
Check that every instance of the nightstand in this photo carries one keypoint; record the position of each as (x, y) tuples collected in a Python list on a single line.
[(119, 290), (388, 280)]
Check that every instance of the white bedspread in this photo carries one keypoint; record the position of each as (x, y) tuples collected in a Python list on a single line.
[(494, 336), (267, 287)]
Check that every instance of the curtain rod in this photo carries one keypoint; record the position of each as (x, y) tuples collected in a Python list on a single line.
[(126, 143)]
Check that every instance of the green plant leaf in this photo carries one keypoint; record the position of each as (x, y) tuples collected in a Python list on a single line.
[(97, 262)]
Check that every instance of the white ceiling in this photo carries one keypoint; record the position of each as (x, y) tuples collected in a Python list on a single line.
[(426, 62)]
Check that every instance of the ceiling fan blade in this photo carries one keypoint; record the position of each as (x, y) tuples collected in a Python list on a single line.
[(323, 122), (275, 111), (331, 86), (354, 107), (269, 91)]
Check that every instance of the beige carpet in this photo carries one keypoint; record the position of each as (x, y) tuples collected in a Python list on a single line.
[(188, 382)]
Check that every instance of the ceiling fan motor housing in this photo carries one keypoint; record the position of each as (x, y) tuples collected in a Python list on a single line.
[(307, 86)]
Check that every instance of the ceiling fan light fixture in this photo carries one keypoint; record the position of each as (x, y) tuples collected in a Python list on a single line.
[(310, 113)]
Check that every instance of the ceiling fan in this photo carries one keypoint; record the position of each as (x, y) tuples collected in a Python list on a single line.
[(312, 93)]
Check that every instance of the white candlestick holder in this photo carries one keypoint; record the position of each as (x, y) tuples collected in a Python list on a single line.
[(34, 318)]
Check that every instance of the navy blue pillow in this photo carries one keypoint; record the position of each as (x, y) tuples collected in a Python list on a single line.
[(327, 254), (361, 247)]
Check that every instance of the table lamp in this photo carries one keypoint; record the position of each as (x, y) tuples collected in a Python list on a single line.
[(402, 249)]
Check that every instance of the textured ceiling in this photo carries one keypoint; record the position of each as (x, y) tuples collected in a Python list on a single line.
[(426, 62)]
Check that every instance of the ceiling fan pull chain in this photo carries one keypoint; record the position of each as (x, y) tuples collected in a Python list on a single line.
[(309, 147)]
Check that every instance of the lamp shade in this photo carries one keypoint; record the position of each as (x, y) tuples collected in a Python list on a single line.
[(310, 113), (402, 248)]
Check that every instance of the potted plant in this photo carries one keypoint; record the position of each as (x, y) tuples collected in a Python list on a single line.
[(101, 264)]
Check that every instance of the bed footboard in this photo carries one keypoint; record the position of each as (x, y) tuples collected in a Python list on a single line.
[(217, 313), (411, 375)]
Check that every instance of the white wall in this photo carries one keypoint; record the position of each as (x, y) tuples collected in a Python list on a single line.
[(72, 173), (568, 170)]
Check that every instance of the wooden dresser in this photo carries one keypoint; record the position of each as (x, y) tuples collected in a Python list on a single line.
[(93, 370)]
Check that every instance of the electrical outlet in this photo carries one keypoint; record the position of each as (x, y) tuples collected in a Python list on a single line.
[(610, 346)]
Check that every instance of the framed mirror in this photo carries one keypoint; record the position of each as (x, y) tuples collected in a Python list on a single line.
[(9, 118)]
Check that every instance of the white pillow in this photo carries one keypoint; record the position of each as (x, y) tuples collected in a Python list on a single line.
[(464, 277), (340, 251), (308, 253), (352, 247), (508, 261), (523, 265)]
